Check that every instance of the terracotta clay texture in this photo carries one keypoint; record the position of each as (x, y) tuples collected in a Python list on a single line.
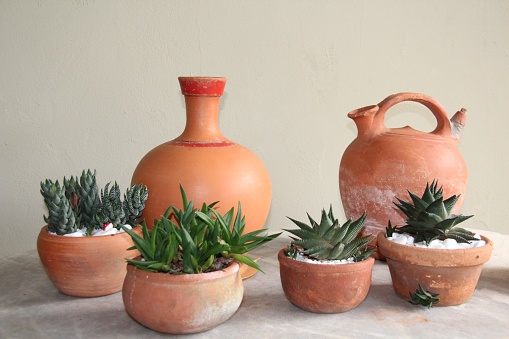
[(453, 274), (325, 288), (209, 166), (382, 163), (184, 303), (86, 266)]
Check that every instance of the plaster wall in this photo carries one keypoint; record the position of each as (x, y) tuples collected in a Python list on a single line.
[(93, 84)]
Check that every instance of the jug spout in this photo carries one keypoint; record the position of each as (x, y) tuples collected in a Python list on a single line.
[(458, 123), (364, 118)]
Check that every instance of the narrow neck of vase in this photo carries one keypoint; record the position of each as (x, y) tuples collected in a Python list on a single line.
[(202, 119)]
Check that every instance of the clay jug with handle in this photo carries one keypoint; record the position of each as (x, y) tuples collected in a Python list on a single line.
[(207, 164), (382, 163)]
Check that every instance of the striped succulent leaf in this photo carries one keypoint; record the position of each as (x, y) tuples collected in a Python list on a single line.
[(429, 217), (328, 240)]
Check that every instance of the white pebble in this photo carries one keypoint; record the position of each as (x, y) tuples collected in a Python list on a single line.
[(108, 232), (78, 233), (402, 239), (436, 245), (479, 243), (451, 244)]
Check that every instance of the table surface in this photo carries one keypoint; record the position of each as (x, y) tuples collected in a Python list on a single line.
[(30, 307)]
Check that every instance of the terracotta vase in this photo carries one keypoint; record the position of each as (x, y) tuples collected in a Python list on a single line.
[(209, 166), (86, 266), (325, 288), (183, 303), (382, 163), (453, 274)]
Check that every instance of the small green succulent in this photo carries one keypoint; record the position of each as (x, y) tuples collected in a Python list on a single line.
[(328, 240), (190, 241), (423, 297), (77, 204), (429, 217)]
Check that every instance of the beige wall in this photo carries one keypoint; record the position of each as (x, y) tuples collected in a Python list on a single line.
[(93, 84)]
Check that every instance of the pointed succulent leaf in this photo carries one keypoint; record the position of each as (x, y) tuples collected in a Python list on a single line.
[(354, 229), (437, 208)]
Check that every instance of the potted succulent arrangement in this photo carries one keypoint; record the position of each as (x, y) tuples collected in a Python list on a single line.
[(82, 247), (430, 253), (187, 279), (327, 268)]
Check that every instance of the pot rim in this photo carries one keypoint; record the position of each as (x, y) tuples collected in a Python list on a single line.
[(435, 257), (55, 237), (232, 269), (334, 268)]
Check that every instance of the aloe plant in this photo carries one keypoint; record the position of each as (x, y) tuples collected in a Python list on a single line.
[(423, 297), (328, 240), (190, 241), (429, 217)]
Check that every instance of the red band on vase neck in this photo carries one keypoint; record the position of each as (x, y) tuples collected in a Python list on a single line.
[(202, 86)]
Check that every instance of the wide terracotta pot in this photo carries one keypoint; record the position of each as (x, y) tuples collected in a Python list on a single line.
[(453, 274), (86, 266), (209, 166), (184, 303), (325, 288), (382, 163)]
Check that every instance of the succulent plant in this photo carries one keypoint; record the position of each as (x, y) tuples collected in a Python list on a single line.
[(61, 218), (423, 297), (328, 240), (197, 241), (112, 208), (134, 203), (89, 202), (429, 217), (77, 204)]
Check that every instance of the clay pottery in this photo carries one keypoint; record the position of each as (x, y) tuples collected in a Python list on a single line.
[(209, 166), (86, 266), (453, 274), (382, 163), (182, 303), (325, 288)]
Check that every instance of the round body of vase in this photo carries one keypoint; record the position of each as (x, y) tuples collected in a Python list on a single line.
[(209, 166), (384, 163), (453, 274), (325, 288), (86, 266), (182, 303)]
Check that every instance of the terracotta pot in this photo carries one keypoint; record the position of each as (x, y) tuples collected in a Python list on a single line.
[(325, 288), (86, 266), (453, 274), (382, 163), (184, 303), (208, 165)]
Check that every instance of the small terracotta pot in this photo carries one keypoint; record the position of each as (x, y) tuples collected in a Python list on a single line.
[(325, 288), (86, 266), (184, 303), (453, 274)]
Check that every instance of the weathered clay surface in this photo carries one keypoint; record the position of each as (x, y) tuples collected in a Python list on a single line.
[(184, 303), (451, 273), (86, 266), (325, 288), (382, 163)]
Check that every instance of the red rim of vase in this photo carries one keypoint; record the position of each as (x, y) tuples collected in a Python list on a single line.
[(202, 86)]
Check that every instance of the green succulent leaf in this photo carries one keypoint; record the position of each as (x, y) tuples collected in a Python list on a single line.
[(329, 240), (429, 217), (200, 240)]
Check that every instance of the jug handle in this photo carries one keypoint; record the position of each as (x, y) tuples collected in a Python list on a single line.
[(443, 125)]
